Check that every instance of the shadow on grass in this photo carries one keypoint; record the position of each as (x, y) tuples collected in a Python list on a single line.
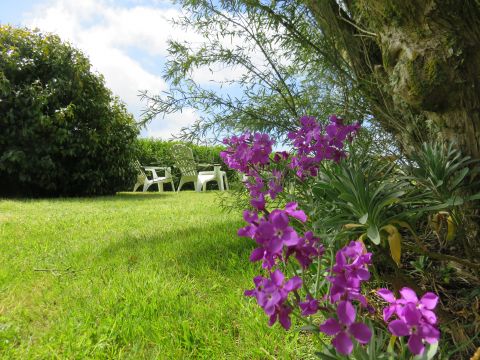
[(137, 196), (123, 196), (196, 251), (120, 196)]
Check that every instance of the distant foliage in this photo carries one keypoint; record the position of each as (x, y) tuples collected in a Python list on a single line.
[(63, 132)]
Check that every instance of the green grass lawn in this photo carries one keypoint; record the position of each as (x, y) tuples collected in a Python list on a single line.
[(155, 276)]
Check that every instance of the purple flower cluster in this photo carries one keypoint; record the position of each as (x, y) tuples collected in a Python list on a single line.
[(274, 234), (415, 318), (272, 295), (277, 241), (349, 271), (258, 189), (315, 144), (250, 154), (247, 151)]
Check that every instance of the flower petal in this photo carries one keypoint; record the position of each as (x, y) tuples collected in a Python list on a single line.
[(363, 274), (361, 332), (284, 317), (277, 277), (290, 237), (388, 312), (411, 314), (408, 295), (398, 328), (429, 333), (275, 245), (342, 343), (386, 295), (291, 209), (293, 284), (250, 216), (429, 300), (279, 219), (415, 344), (257, 254), (330, 327), (346, 312), (429, 315)]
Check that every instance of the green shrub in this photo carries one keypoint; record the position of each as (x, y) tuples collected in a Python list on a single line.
[(63, 132), (159, 152)]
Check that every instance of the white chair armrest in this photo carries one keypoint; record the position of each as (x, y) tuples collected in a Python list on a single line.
[(153, 170)]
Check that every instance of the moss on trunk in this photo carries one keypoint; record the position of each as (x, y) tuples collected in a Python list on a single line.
[(418, 62)]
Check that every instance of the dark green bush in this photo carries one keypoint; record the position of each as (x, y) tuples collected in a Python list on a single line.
[(63, 133), (158, 152)]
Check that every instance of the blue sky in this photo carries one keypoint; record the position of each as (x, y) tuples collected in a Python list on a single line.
[(126, 41)]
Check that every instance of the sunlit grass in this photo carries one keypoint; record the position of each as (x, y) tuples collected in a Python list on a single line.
[(131, 276)]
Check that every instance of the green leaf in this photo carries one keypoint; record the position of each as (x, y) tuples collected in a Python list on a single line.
[(309, 328), (363, 219), (474, 197), (326, 354), (373, 234), (459, 177), (453, 201)]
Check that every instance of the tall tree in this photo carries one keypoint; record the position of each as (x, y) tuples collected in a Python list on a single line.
[(417, 62), (278, 75), (413, 66)]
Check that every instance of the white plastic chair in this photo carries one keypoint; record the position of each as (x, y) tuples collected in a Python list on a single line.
[(183, 158), (142, 178)]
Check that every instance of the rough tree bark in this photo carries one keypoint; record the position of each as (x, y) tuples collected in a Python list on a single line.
[(418, 62)]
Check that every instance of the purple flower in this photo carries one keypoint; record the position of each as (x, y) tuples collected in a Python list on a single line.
[(413, 324), (272, 232), (282, 314), (352, 261), (274, 185), (247, 151), (309, 306), (282, 155), (271, 295), (315, 144), (394, 307), (350, 269), (291, 209), (425, 305), (416, 318), (307, 248), (251, 217), (258, 202), (346, 288), (344, 328)]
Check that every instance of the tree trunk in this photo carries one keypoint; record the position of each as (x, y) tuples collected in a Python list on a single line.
[(418, 62)]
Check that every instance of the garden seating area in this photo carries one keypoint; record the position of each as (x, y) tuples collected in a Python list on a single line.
[(185, 163)]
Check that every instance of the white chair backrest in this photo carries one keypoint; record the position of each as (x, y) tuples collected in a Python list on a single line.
[(140, 171), (183, 157)]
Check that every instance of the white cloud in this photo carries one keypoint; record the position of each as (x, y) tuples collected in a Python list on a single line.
[(119, 42), (176, 122), (128, 44)]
